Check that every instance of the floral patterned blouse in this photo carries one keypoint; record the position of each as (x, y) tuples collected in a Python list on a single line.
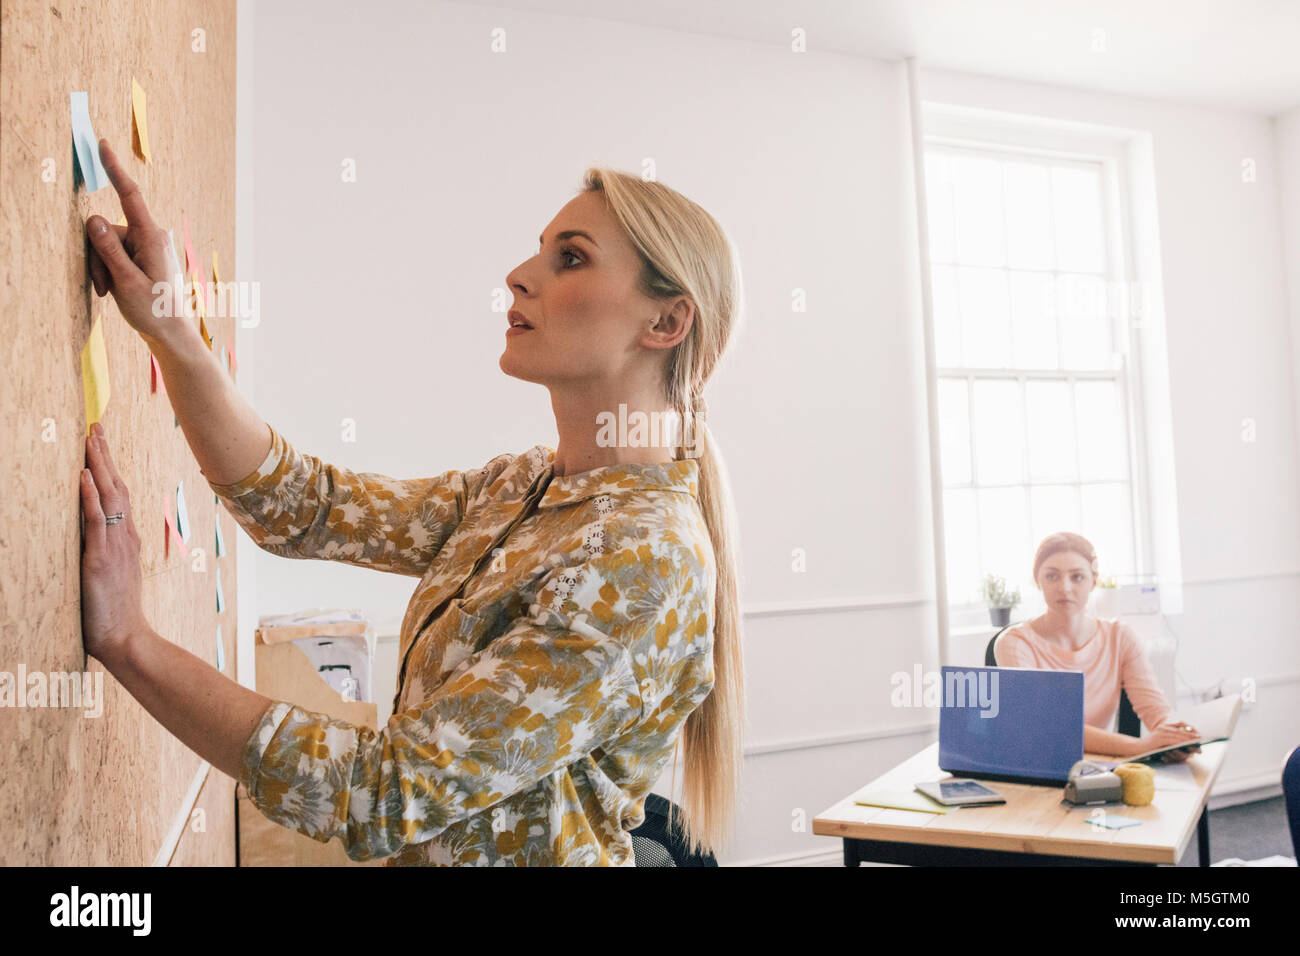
[(559, 636)]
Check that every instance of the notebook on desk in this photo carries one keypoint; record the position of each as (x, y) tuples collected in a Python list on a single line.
[(1018, 724)]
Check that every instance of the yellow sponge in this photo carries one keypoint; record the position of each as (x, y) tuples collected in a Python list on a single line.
[(1139, 783)]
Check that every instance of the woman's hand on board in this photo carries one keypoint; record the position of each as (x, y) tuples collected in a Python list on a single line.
[(111, 607), (128, 260)]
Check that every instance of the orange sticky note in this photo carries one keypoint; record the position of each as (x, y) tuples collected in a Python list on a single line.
[(192, 264), (140, 124), (94, 373), (197, 296), (203, 330)]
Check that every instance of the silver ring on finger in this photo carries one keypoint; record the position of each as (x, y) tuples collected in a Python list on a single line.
[(114, 519)]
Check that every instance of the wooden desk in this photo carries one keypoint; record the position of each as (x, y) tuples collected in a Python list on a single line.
[(1035, 827)]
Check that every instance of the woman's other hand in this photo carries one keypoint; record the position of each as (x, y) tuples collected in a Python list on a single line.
[(128, 260), (1172, 732), (111, 609)]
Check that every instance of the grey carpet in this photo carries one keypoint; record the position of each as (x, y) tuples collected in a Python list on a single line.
[(1248, 831)]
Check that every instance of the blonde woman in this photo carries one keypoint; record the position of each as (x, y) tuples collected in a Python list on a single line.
[(576, 615), (1108, 653)]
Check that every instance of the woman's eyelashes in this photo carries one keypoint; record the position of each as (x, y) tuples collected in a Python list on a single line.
[(569, 252)]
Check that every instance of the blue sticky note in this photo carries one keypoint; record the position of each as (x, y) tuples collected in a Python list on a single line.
[(1113, 821), (182, 514), (86, 144), (221, 542), (221, 651), (221, 601)]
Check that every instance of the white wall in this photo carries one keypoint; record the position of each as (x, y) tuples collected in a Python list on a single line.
[(1286, 129), (375, 305)]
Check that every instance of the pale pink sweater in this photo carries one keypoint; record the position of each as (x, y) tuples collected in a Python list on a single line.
[(1112, 660)]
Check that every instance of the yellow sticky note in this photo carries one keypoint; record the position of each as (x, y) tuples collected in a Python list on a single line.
[(122, 220), (215, 276), (94, 374), (140, 128)]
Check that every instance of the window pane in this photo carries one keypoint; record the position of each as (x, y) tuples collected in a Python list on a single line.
[(1053, 508), (985, 305), (1004, 534), (1085, 322), (961, 545), (999, 432), (977, 202), (947, 321), (1108, 524), (1103, 448), (954, 431), (1029, 215), (938, 198), (1033, 320), (1076, 209), (1050, 408)]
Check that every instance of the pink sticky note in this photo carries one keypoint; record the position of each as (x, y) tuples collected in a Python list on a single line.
[(172, 533), (156, 383), (234, 366)]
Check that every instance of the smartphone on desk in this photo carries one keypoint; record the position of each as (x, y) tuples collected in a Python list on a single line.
[(960, 792)]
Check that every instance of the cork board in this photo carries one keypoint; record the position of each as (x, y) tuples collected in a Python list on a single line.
[(207, 836), (105, 789)]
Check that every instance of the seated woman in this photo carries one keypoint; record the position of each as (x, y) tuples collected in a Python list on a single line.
[(1108, 653)]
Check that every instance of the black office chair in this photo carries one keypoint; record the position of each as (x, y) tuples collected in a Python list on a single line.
[(1291, 793), (1129, 722), (654, 844)]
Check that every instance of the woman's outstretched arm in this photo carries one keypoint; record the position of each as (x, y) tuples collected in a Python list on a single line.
[(208, 712), (292, 504), (229, 439)]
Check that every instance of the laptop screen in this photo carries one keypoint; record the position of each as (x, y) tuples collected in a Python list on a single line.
[(1011, 723)]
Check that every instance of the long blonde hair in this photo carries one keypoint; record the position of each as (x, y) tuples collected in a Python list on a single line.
[(684, 251)]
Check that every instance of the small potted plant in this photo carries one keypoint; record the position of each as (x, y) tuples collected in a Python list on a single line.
[(1000, 599)]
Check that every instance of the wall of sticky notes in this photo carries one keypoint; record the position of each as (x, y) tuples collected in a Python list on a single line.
[(157, 79)]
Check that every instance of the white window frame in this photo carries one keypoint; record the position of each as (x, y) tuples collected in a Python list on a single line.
[(1024, 138)]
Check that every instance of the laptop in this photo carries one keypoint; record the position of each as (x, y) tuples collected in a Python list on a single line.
[(1019, 724)]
